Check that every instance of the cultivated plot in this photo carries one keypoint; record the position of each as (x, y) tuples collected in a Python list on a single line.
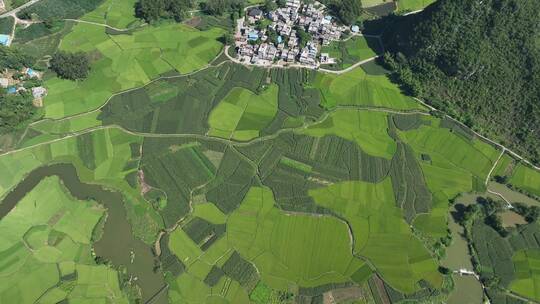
[(121, 62)]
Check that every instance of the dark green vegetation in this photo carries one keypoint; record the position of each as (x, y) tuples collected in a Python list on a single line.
[(6, 25), (59, 9), (183, 104), (186, 178), (13, 58), (15, 108), (219, 7), (116, 240), (347, 11), (503, 257), (153, 10), (72, 66), (477, 61)]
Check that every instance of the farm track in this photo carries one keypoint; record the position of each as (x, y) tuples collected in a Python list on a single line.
[(100, 24), (222, 140)]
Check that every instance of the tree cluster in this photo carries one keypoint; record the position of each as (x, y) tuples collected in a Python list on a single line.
[(219, 7), (270, 5), (530, 213), (153, 10), (303, 36), (491, 208), (479, 61), (12, 58), (347, 11), (72, 66), (15, 109)]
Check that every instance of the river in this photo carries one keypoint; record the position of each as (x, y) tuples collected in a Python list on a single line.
[(117, 244)]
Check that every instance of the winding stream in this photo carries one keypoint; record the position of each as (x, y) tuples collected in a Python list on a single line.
[(117, 245)]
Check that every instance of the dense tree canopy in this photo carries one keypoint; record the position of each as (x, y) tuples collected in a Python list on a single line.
[(270, 5), (152, 10), (12, 58), (219, 7), (347, 11), (15, 109), (71, 66), (478, 61)]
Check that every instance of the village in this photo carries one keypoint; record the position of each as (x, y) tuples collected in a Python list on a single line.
[(25, 80), (289, 35)]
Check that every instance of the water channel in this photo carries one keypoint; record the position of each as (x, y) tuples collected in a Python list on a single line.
[(117, 244)]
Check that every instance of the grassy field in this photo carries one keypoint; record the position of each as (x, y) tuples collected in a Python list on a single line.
[(360, 89), (527, 266), (368, 129), (242, 114), (121, 62), (526, 179), (44, 240)]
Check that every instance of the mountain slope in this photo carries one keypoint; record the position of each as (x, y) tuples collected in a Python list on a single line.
[(478, 60)]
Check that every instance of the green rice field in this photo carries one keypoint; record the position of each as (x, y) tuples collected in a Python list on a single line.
[(242, 114), (380, 233), (184, 177), (368, 129), (527, 281), (115, 13), (150, 51), (360, 89), (527, 179), (46, 245)]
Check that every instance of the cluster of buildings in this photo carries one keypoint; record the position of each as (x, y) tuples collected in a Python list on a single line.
[(14, 85), (290, 24)]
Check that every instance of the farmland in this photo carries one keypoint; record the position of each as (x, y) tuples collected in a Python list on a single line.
[(358, 88), (527, 280), (152, 51), (527, 179), (242, 115), (172, 174), (46, 250), (349, 52)]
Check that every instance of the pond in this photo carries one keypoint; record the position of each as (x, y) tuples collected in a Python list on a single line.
[(117, 244)]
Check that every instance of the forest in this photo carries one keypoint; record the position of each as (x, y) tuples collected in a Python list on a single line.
[(477, 61)]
